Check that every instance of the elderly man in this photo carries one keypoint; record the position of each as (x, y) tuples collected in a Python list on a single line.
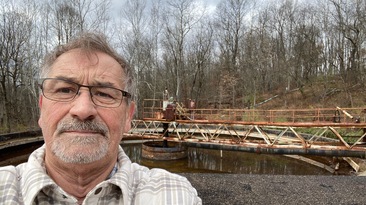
[(85, 108)]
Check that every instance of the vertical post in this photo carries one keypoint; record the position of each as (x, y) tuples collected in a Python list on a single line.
[(165, 134)]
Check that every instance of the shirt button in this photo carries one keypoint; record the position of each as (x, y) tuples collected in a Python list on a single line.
[(98, 190)]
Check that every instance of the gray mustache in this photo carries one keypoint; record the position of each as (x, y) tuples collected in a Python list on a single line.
[(90, 125)]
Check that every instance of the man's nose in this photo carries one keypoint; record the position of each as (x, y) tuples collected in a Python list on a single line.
[(82, 106)]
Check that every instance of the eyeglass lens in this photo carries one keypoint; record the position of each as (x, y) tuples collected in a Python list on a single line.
[(62, 90)]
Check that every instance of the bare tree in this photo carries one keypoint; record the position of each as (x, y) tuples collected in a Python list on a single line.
[(199, 60), (65, 21), (71, 17), (180, 18), (306, 47), (349, 23), (13, 64), (231, 22), (230, 25), (135, 43)]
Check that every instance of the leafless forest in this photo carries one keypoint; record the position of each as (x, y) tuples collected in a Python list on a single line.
[(223, 57)]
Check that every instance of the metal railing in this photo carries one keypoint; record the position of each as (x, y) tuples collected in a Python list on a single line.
[(153, 110), (320, 131)]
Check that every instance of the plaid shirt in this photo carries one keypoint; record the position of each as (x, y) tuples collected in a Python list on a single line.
[(28, 183)]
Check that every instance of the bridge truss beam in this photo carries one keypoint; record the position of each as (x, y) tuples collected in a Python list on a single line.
[(324, 139)]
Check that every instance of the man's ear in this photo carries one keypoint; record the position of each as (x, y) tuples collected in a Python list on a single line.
[(129, 116), (132, 110), (40, 99)]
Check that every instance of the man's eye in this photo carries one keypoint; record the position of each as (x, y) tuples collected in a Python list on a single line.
[(65, 90), (104, 95)]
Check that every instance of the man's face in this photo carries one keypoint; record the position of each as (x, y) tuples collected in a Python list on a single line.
[(79, 131)]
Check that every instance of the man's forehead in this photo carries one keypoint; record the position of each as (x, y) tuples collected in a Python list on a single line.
[(77, 67)]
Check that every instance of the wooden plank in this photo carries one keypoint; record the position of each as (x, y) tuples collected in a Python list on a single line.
[(313, 162), (353, 164)]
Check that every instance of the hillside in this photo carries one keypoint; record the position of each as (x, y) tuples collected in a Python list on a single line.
[(319, 94)]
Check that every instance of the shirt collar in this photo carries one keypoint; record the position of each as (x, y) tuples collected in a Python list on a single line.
[(35, 178)]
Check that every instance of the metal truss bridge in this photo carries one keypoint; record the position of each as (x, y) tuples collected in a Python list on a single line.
[(338, 132)]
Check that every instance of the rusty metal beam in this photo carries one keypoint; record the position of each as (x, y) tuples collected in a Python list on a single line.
[(249, 135), (278, 149)]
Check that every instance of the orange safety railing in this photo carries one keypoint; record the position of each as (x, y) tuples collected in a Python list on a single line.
[(153, 109)]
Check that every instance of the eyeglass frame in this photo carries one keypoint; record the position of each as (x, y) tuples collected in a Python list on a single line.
[(124, 93)]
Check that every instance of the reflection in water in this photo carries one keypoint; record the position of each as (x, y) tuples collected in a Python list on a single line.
[(198, 160), (206, 160)]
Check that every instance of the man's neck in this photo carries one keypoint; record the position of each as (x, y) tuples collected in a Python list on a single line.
[(78, 179)]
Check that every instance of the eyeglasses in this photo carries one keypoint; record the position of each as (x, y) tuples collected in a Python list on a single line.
[(64, 91)]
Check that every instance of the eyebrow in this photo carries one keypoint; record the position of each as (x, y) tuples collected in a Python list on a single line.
[(65, 78), (98, 83), (106, 84)]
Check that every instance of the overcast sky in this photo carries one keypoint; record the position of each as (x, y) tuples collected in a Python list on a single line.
[(117, 4)]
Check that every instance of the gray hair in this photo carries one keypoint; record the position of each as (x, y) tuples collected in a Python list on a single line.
[(89, 43)]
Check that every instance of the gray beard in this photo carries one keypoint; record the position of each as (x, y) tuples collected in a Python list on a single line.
[(94, 147)]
